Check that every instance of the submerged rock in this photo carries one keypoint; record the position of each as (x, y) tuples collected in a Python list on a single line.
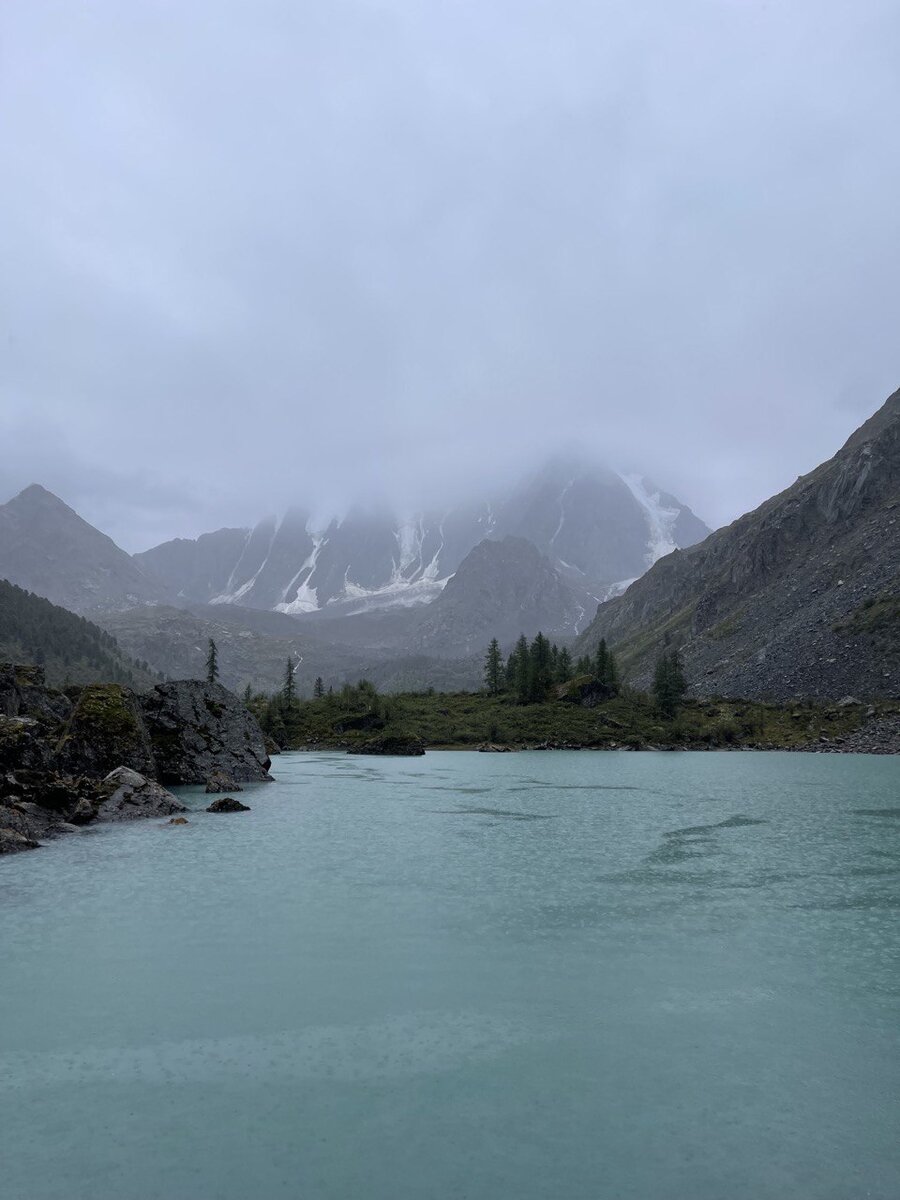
[(179, 821), (227, 805), (129, 796)]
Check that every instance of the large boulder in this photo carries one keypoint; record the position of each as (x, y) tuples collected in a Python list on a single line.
[(105, 730), (129, 796), (199, 728)]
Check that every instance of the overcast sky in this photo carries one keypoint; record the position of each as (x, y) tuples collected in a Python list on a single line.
[(275, 250)]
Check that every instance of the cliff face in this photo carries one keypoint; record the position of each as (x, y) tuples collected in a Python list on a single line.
[(800, 597)]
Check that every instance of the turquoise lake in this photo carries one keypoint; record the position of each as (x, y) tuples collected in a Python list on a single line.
[(565, 976)]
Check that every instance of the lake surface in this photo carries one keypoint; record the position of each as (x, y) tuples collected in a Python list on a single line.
[(490, 977)]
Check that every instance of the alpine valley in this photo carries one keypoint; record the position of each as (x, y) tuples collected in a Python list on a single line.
[(407, 601), (799, 599)]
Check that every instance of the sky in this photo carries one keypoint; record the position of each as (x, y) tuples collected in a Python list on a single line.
[(263, 252)]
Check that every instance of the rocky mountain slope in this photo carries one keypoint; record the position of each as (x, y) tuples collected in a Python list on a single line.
[(46, 548), (799, 598), (70, 648), (595, 526), (502, 588)]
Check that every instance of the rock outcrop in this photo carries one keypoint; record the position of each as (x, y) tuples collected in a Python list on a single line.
[(103, 753), (197, 729), (106, 729)]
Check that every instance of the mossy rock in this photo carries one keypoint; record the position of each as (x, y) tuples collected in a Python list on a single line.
[(105, 731)]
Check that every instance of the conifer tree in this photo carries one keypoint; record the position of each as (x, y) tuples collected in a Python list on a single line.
[(288, 689), (212, 662), (248, 696), (601, 661), (539, 673), (564, 666), (319, 688), (493, 668), (522, 670), (669, 683)]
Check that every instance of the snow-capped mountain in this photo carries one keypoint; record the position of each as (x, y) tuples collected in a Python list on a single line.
[(599, 529)]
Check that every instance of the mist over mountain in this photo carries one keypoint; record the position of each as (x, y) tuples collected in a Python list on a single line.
[(598, 528)]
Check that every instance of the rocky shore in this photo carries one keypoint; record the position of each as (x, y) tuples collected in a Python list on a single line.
[(105, 753)]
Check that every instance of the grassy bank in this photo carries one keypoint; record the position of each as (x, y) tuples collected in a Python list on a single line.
[(629, 721)]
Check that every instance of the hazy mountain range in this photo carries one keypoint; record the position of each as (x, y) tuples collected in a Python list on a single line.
[(438, 585), (599, 529), (800, 597)]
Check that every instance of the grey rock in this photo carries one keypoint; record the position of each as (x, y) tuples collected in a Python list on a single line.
[(219, 781), (12, 842), (198, 729), (129, 796)]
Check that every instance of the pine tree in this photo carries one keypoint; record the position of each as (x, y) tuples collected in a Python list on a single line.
[(212, 662), (248, 696), (288, 689), (522, 670), (601, 661), (493, 668), (319, 688), (669, 683), (564, 666), (539, 673)]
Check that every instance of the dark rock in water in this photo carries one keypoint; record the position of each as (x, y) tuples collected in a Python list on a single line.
[(220, 782), (12, 842), (491, 748), (199, 728), (179, 821), (106, 729), (227, 805), (129, 796), (392, 745)]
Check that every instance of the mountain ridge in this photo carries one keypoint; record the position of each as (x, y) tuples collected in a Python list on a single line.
[(774, 605)]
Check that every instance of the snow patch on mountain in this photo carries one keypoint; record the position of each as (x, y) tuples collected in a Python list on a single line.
[(660, 519), (305, 598)]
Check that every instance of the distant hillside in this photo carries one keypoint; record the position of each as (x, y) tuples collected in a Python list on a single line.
[(69, 647), (799, 598), (47, 548), (254, 648)]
